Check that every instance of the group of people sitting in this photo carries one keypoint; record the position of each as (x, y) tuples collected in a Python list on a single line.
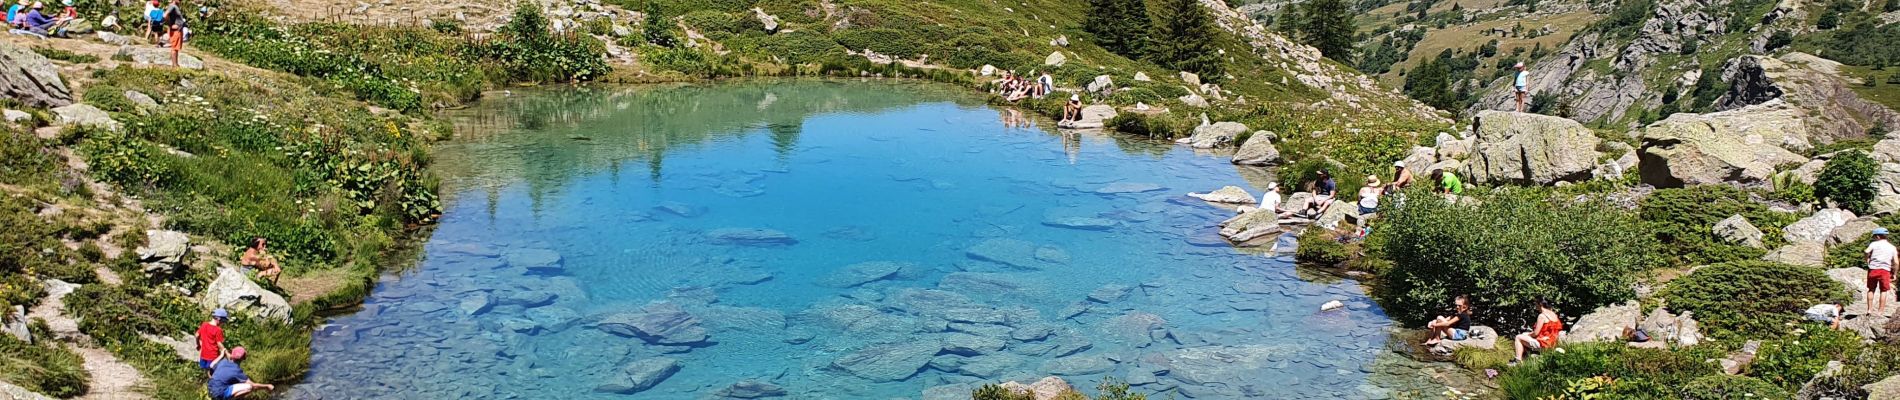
[(32, 18), (221, 364), (1325, 190), (1545, 331), (1015, 87)]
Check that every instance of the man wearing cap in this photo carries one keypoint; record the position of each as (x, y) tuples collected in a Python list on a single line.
[(1073, 110), (1401, 177), (228, 380), (1880, 260), (211, 339), (1523, 80)]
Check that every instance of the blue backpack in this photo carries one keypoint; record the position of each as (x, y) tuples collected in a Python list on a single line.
[(156, 14)]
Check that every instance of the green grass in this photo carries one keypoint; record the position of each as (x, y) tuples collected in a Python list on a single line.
[(67, 56), (47, 367), (1884, 91)]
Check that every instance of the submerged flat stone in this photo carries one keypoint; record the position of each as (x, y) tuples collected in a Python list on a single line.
[(1129, 187), (1077, 365), (660, 324), (751, 389), (1080, 223), (543, 260), (862, 273), (750, 237), (889, 362), (640, 375), (1012, 252)]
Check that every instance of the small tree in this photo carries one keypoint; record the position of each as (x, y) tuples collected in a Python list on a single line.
[(657, 28), (1121, 26), (1328, 25), (1184, 40), (1848, 181)]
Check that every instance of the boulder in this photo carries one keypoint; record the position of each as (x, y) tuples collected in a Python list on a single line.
[(113, 38), (751, 389), (1738, 361), (1664, 327), (769, 21), (1080, 223), (140, 99), (11, 116), (1193, 100), (1048, 388), (1481, 337), (1190, 78), (1258, 150), (1247, 228), (84, 115), (1450, 147), (1524, 148), (1807, 254), (1101, 85), (1063, 41), (1218, 134), (164, 246), (889, 362), (233, 290), (640, 375), (1741, 146), (1339, 211), (659, 323), (862, 273), (986, 70), (1420, 156), (1226, 194), (1736, 230), (1886, 188), (1884, 389), (157, 56), (1886, 151), (1817, 228), (1093, 117), (1142, 77), (543, 260), (1055, 59), (1604, 324), (14, 324), (1852, 230), (756, 237), (30, 78)]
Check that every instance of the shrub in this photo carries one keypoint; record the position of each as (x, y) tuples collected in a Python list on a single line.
[(54, 371), (1684, 221), (23, 158), (1147, 125), (528, 52), (117, 314), (882, 40), (64, 55), (1870, 365), (1792, 361), (1848, 181), (1320, 247), (1633, 372), (1506, 252), (1748, 299), (1724, 387)]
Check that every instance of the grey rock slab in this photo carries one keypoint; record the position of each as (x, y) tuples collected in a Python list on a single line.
[(862, 273), (1110, 293), (889, 362), (542, 260), (751, 389), (971, 345), (1736, 230), (1078, 365), (31, 78), (1080, 223), (640, 375), (1012, 252), (147, 55), (757, 237), (659, 323), (233, 290), (1129, 187)]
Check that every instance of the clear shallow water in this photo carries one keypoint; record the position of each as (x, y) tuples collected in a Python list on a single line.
[(836, 240)]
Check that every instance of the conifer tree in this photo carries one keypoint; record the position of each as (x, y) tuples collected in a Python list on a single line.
[(1184, 39), (1121, 26), (1328, 25)]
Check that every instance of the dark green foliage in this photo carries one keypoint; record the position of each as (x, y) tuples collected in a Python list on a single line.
[(1683, 221), (658, 29), (64, 55), (1870, 365), (1625, 20), (527, 51), (1430, 83), (1378, 57), (116, 314), (1319, 247), (1775, 294), (1146, 125), (1860, 39), (1120, 26), (1728, 387), (1848, 181), (882, 40), (1636, 373), (23, 158), (1513, 248), (1328, 25), (1792, 361), (1184, 40), (48, 368), (1778, 39)]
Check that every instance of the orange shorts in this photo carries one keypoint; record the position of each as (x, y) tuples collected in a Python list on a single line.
[(178, 39)]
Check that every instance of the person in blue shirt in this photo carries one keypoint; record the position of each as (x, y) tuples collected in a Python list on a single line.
[(1521, 84), (13, 13), (228, 380), (38, 22)]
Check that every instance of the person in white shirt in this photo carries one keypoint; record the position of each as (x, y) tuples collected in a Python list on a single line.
[(1880, 260), (1047, 84), (1521, 84), (1825, 313)]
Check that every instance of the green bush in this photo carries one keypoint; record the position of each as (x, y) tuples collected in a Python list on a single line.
[(1320, 247), (1507, 251), (1870, 365), (894, 42), (528, 52), (1726, 387), (117, 314), (23, 159), (1634, 372), (1792, 361), (1684, 221), (1848, 181), (64, 55), (1750, 299), (1154, 126), (54, 371)]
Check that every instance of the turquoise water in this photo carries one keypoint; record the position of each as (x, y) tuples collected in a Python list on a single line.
[(830, 240)]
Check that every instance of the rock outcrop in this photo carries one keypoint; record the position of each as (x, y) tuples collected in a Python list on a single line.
[(157, 56), (1737, 230), (30, 78), (1481, 337), (84, 115), (233, 290), (1813, 84), (1093, 117), (1524, 148), (1258, 150), (164, 251), (1227, 194), (1218, 134), (640, 375), (1741, 147)]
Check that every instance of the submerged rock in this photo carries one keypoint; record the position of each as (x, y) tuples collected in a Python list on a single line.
[(750, 237), (1012, 252), (889, 362), (538, 260), (659, 323), (751, 389), (1080, 223), (640, 375), (1129, 187), (862, 273)]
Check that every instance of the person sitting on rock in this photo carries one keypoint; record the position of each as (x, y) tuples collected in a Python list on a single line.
[(1826, 313), (15, 12), (38, 22), (1401, 177), (65, 18), (1543, 336), (1369, 196), (1881, 257), (1045, 85), (1323, 192), (1072, 111), (1454, 327), (228, 380), (257, 257)]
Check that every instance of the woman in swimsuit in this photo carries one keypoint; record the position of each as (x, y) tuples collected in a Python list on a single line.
[(1542, 336)]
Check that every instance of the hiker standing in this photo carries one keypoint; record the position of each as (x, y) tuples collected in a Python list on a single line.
[(1522, 81), (1880, 260)]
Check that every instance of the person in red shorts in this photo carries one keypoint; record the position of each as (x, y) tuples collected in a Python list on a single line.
[(1880, 260), (211, 339)]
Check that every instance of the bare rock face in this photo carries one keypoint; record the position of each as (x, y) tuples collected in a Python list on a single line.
[(30, 78), (1258, 150), (1741, 147), (233, 290), (1737, 230), (1814, 84), (1218, 134), (1531, 149)]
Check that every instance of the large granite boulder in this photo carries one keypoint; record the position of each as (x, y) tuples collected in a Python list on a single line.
[(233, 290), (1852, 230), (1606, 323), (1218, 134), (1226, 194), (1258, 150), (640, 375), (1884, 389), (157, 56), (1742, 146), (1249, 228), (1093, 117), (1807, 254), (1736, 230), (1524, 148), (1817, 228), (889, 362), (164, 252), (30, 78), (85, 115), (659, 323)]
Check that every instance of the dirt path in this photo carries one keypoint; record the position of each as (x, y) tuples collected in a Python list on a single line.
[(111, 379)]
